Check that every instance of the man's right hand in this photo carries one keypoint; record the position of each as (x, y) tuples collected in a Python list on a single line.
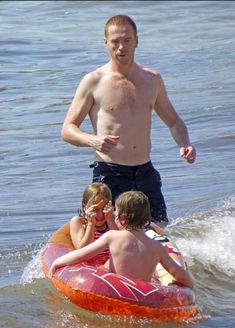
[(105, 143)]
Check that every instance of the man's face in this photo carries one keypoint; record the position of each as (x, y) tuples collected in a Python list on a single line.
[(121, 42)]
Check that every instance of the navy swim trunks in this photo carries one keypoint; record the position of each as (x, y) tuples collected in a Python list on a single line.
[(145, 178)]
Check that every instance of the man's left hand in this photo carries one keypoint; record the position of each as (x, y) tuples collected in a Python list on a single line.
[(189, 153)]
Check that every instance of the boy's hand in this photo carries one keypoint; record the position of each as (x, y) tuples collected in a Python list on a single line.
[(108, 211), (52, 269)]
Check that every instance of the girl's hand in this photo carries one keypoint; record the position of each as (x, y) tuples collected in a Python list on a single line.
[(90, 214)]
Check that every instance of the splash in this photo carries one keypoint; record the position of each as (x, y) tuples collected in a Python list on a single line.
[(33, 270), (209, 238)]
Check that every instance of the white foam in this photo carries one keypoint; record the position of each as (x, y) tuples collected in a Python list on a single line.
[(212, 243), (33, 269)]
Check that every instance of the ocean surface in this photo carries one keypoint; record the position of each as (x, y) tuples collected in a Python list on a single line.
[(46, 47)]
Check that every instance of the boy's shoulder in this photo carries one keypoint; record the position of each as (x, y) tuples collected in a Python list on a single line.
[(113, 234)]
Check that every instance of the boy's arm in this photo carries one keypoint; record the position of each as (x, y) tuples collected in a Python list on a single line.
[(79, 255), (181, 275)]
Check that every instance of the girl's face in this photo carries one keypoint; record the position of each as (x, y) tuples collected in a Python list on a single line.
[(99, 217)]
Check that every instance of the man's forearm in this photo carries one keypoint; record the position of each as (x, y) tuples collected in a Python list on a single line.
[(180, 134), (75, 136)]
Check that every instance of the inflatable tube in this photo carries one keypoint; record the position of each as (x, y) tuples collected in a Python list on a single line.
[(100, 291)]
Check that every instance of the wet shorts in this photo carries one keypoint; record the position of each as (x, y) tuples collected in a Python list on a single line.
[(145, 178)]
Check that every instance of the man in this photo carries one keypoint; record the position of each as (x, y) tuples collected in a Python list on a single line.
[(119, 98), (132, 253)]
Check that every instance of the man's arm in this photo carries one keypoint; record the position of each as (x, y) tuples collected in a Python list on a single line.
[(80, 107), (168, 115), (82, 104), (81, 254)]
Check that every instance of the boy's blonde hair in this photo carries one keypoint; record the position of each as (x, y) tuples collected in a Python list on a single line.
[(135, 207), (96, 189), (119, 20)]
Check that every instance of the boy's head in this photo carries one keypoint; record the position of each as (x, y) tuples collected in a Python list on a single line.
[(133, 210)]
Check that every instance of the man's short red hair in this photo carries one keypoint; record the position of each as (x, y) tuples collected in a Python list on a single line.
[(119, 20)]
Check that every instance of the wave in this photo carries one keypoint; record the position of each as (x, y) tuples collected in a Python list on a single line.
[(33, 269), (207, 238)]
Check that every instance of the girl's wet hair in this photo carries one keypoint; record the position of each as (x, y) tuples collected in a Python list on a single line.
[(96, 189), (135, 207)]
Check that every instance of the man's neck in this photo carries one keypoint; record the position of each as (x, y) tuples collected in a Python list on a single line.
[(125, 70)]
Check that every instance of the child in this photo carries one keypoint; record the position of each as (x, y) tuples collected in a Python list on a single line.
[(96, 216), (132, 253)]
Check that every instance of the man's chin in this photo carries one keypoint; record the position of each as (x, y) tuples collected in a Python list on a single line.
[(123, 59)]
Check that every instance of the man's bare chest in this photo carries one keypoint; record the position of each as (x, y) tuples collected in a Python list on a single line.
[(122, 93)]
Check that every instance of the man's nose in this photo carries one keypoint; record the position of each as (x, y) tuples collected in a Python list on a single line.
[(120, 46)]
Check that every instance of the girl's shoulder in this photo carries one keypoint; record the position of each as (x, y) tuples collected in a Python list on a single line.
[(78, 220)]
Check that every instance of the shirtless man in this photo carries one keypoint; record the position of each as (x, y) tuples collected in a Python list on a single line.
[(132, 253), (119, 98)]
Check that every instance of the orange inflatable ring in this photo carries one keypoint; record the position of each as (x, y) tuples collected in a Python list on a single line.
[(101, 291)]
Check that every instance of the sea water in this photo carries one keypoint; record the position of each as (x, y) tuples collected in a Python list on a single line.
[(46, 47)]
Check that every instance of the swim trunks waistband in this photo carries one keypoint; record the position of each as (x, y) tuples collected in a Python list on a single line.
[(131, 167)]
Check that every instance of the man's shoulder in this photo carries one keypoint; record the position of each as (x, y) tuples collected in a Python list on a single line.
[(149, 71), (93, 77)]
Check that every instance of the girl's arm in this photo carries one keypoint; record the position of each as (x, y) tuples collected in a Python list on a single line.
[(80, 235)]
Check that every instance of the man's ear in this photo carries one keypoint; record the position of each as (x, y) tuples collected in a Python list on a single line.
[(105, 40), (137, 41)]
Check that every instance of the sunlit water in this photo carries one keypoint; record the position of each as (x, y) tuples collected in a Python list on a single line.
[(46, 48)]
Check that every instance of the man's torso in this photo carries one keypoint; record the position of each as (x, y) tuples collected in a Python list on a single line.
[(123, 107)]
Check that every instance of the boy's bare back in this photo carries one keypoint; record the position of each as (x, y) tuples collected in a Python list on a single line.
[(133, 254)]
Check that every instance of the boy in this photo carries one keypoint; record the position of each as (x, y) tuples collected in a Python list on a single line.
[(132, 253)]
